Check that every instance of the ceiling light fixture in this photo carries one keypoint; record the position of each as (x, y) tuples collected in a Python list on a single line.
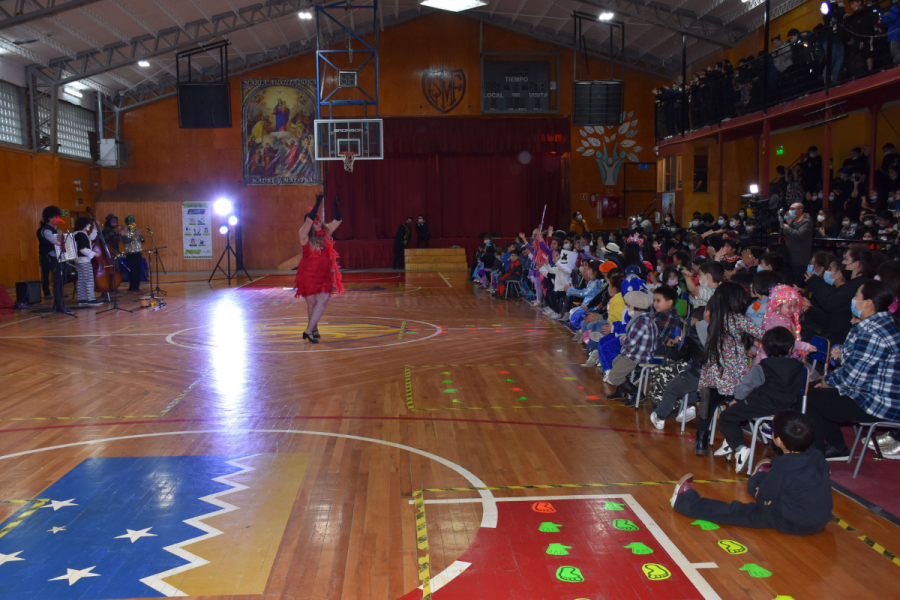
[(305, 15), (73, 92), (454, 5), (606, 16), (144, 63)]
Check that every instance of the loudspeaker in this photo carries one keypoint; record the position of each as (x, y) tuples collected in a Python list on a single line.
[(597, 102), (204, 105), (28, 292)]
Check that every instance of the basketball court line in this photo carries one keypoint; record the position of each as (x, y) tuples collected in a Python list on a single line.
[(161, 413), (489, 507), (689, 569), (445, 279)]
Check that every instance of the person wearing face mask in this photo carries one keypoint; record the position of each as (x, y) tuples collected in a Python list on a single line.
[(798, 234), (848, 229), (695, 221), (830, 293), (812, 169), (826, 226), (885, 226), (864, 388), (423, 235), (48, 242), (841, 188), (868, 222)]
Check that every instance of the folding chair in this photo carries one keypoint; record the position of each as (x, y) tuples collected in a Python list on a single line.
[(872, 427), (509, 284), (643, 381), (684, 407), (823, 350), (757, 423)]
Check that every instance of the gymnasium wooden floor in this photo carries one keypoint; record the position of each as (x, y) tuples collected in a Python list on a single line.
[(204, 449)]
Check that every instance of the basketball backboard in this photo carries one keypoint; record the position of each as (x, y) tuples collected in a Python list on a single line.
[(362, 137)]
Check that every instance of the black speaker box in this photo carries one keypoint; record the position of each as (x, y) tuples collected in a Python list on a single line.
[(597, 102), (28, 292), (204, 105)]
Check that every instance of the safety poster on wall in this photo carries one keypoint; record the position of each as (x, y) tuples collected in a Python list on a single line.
[(196, 223)]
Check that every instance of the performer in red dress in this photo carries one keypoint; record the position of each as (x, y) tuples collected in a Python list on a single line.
[(318, 274)]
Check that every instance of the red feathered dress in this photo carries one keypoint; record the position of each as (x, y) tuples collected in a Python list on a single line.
[(314, 273)]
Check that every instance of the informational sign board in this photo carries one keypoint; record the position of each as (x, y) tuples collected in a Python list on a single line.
[(196, 229), (515, 86)]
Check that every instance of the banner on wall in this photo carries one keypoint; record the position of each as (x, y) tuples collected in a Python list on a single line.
[(196, 229), (668, 203), (277, 118)]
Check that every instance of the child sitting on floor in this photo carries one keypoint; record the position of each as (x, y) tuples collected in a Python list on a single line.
[(767, 388), (793, 492)]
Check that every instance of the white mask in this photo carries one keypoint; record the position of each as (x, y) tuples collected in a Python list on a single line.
[(732, 224), (672, 282), (845, 223), (812, 154), (567, 246), (820, 218), (692, 247)]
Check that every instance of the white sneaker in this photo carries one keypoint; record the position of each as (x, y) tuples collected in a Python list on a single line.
[(546, 310), (741, 457), (577, 336), (593, 359), (657, 422), (689, 415), (724, 450), (606, 377)]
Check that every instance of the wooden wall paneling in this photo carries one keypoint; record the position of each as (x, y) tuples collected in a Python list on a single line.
[(164, 218)]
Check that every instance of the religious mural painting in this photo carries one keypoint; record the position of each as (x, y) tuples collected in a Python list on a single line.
[(610, 147), (277, 117), (444, 88)]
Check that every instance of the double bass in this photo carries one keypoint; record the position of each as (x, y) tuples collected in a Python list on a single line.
[(106, 278)]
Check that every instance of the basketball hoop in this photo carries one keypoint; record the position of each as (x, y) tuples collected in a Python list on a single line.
[(349, 157)]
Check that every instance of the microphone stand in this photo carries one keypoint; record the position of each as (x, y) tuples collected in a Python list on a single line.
[(159, 266)]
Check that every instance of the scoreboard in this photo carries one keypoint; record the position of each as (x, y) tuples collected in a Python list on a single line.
[(516, 87)]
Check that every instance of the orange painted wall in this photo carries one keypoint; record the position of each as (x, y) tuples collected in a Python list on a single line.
[(28, 183), (163, 153)]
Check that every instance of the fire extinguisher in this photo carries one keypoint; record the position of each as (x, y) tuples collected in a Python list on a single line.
[(593, 200)]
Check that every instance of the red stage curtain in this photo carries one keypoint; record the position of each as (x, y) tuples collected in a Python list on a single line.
[(487, 187)]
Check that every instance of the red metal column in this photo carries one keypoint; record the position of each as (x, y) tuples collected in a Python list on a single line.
[(721, 169), (826, 162), (756, 155), (763, 173), (873, 141)]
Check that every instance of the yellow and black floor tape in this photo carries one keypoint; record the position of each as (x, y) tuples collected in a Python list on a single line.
[(37, 504), (422, 545), (553, 486), (868, 541)]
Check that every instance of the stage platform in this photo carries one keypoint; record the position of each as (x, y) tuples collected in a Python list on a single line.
[(439, 443)]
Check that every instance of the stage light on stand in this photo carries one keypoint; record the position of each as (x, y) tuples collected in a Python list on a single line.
[(754, 189), (223, 206), (223, 229), (824, 8), (232, 220)]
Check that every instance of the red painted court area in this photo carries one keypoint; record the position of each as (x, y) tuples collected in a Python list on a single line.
[(584, 549)]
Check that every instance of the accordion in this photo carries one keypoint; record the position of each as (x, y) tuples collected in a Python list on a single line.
[(67, 252)]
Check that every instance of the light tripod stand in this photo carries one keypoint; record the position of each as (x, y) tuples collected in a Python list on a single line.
[(227, 253)]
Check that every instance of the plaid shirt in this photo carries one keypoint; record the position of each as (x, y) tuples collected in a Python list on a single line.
[(666, 322), (640, 340), (870, 369)]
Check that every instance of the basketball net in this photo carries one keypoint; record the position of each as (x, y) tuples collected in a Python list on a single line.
[(349, 157)]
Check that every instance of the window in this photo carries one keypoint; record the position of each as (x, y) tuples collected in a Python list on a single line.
[(11, 103), (668, 173), (72, 128)]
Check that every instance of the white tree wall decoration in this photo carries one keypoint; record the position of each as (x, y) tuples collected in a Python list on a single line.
[(608, 151)]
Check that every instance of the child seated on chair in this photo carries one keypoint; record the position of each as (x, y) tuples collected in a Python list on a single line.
[(793, 492), (513, 273), (638, 345), (771, 386)]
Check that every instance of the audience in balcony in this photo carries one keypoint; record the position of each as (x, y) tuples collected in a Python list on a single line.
[(865, 39)]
